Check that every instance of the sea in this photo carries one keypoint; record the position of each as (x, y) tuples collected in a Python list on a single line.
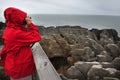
[(85, 21)]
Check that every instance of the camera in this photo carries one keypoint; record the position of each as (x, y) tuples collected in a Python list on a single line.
[(24, 22)]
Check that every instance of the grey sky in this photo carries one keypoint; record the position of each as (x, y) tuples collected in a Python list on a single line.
[(94, 7)]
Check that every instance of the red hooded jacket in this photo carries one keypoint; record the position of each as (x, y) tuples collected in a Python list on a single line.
[(17, 54)]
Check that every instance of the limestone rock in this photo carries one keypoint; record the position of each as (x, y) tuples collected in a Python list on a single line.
[(107, 64), (97, 71), (66, 45), (84, 67), (110, 78), (104, 58), (55, 46), (82, 54), (116, 63), (112, 72), (113, 50), (74, 73), (106, 34)]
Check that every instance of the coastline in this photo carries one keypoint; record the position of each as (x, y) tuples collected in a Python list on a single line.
[(93, 52), (70, 48)]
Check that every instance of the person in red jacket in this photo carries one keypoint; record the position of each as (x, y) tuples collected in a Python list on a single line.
[(18, 36)]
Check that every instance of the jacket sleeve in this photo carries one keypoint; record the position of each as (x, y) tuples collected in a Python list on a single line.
[(29, 37)]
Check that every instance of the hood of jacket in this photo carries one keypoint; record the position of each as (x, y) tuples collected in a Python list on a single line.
[(14, 17)]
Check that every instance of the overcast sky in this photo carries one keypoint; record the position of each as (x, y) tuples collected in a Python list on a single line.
[(94, 7)]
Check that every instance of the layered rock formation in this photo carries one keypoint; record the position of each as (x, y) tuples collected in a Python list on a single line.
[(81, 54)]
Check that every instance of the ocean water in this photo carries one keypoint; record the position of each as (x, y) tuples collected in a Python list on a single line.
[(86, 21)]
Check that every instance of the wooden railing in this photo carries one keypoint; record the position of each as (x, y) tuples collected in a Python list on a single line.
[(45, 69)]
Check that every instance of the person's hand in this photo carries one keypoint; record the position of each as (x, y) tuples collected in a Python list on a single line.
[(28, 20)]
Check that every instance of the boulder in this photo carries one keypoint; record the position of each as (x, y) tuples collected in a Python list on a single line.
[(88, 42), (85, 54), (106, 34), (106, 38), (112, 50), (113, 72), (96, 32), (74, 73), (107, 64), (97, 71), (70, 38), (104, 58), (88, 54), (77, 55), (87, 47), (84, 67), (55, 46), (96, 47), (116, 63), (100, 72)]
